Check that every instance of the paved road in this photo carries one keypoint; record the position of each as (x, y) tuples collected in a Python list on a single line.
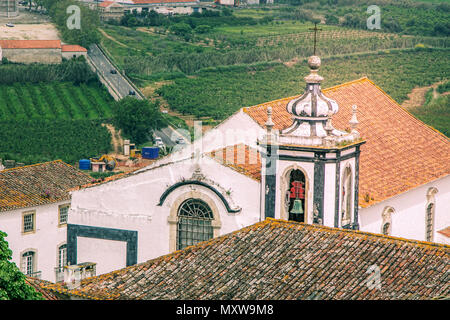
[(104, 67)]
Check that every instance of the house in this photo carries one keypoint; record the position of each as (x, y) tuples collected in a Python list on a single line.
[(34, 206), (110, 10), (281, 260), (38, 51), (72, 51)]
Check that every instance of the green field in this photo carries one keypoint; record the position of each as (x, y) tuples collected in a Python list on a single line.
[(54, 100)]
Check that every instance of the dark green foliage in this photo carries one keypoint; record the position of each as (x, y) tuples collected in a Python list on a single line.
[(137, 118), (436, 114), (12, 281), (444, 87), (33, 141)]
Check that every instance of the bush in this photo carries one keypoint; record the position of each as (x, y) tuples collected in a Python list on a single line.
[(203, 29)]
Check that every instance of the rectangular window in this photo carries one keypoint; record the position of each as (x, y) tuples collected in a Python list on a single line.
[(28, 221), (63, 214)]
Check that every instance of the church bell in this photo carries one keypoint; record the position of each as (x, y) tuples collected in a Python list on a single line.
[(297, 207)]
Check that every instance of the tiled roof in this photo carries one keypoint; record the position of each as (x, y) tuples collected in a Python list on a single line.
[(401, 152), (30, 44), (277, 259), (72, 48), (39, 285), (445, 232), (241, 158), (38, 184)]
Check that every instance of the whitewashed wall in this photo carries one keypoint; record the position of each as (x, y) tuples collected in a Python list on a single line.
[(131, 204), (408, 221), (45, 240)]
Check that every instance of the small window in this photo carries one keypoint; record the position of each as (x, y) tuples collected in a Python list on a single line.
[(63, 214), (28, 221)]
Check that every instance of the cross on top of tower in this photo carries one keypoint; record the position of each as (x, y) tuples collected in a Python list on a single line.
[(315, 29)]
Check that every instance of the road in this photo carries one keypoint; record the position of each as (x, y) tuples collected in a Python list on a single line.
[(120, 85)]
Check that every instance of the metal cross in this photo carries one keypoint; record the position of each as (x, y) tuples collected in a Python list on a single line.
[(315, 29)]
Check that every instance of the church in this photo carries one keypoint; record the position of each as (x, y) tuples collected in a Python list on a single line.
[(345, 157)]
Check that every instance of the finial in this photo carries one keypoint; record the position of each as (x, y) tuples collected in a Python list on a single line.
[(269, 122), (328, 126), (354, 121), (314, 65)]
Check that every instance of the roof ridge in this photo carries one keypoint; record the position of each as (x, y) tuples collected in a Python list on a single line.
[(359, 232)]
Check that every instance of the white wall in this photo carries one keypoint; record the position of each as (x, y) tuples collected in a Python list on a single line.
[(131, 204), (408, 221), (45, 240)]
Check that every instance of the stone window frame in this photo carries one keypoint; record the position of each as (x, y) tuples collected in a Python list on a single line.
[(173, 215), (26, 213), (431, 201), (22, 261), (284, 188), (62, 224), (349, 195)]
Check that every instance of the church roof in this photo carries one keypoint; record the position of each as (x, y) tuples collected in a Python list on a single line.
[(38, 184), (278, 259), (400, 152)]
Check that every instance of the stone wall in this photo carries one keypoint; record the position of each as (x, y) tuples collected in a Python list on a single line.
[(33, 55)]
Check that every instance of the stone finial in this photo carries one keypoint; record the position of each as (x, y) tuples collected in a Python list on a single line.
[(314, 65), (269, 122), (328, 126), (354, 121)]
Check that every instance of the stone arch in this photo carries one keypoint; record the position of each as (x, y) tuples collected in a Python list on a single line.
[(386, 224), (430, 209), (284, 189), (173, 214)]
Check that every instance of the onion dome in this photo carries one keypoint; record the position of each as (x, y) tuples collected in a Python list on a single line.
[(311, 111)]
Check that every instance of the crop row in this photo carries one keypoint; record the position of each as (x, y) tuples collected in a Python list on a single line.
[(55, 100)]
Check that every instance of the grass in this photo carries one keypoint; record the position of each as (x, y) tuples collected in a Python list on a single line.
[(436, 113)]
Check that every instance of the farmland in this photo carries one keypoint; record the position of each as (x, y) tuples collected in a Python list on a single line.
[(44, 116)]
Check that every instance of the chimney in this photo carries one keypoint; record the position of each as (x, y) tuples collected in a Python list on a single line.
[(75, 273)]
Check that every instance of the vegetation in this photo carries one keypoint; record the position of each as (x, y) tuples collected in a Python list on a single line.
[(136, 118), (436, 113), (33, 141), (221, 91), (12, 281)]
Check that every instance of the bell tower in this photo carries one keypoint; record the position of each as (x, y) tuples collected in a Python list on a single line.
[(310, 170)]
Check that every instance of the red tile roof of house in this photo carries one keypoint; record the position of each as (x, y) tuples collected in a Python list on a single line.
[(30, 44), (39, 286), (400, 152), (72, 48), (278, 259), (38, 184), (445, 232)]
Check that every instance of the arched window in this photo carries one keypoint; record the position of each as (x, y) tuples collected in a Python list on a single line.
[(62, 261), (29, 263), (429, 214), (296, 196), (386, 225), (346, 204), (194, 223)]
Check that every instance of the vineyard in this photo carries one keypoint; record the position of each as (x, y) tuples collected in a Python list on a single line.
[(54, 100), (220, 92)]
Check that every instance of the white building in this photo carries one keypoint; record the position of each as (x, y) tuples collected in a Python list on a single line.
[(34, 206), (386, 172), (162, 6)]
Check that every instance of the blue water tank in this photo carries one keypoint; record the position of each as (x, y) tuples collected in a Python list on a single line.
[(150, 152), (84, 164)]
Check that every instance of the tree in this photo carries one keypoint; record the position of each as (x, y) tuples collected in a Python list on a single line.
[(12, 281), (137, 118)]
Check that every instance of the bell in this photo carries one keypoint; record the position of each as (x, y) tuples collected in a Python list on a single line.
[(297, 208)]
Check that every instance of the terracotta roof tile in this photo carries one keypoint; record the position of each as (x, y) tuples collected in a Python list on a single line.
[(400, 152), (72, 48), (38, 184), (277, 259), (39, 286), (30, 44), (445, 232)]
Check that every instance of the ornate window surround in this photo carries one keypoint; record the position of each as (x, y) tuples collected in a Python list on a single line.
[(173, 215), (284, 187), (431, 200)]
